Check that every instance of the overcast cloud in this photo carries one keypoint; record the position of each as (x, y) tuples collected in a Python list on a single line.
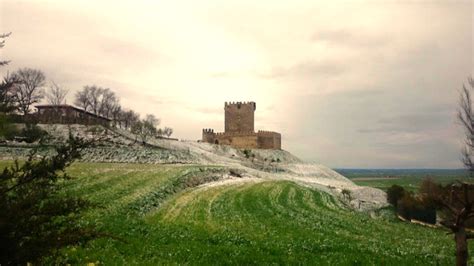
[(347, 83)]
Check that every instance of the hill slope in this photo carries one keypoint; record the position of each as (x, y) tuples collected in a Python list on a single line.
[(164, 220), (116, 145)]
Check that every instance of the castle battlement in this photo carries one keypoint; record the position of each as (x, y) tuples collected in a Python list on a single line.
[(240, 104), (265, 132), (207, 130), (233, 134), (239, 129)]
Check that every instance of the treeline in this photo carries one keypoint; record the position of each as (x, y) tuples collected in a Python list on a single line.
[(432, 201), (411, 205), (18, 92), (25, 87), (104, 102)]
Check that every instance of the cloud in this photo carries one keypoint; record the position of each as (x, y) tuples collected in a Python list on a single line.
[(306, 69), (424, 121), (138, 55), (355, 38), (208, 111)]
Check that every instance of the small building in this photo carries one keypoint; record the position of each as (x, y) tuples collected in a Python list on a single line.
[(67, 114), (239, 129)]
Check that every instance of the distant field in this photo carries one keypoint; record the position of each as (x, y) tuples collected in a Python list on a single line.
[(271, 222), (408, 178)]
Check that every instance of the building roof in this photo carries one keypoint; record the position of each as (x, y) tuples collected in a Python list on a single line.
[(67, 106)]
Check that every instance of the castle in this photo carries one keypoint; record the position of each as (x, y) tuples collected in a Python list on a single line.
[(239, 129)]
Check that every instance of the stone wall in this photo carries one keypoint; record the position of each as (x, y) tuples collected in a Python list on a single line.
[(269, 140), (244, 140), (239, 117), (241, 140)]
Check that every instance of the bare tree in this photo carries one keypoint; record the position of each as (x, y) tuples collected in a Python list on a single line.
[(95, 94), (129, 118), (2, 44), (108, 102), (466, 117), (82, 98), (117, 115), (145, 128), (152, 120), (456, 201), (97, 100), (167, 131), (56, 94), (159, 133), (29, 89)]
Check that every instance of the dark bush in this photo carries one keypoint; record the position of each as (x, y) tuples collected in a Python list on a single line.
[(247, 153), (411, 207), (7, 129), (394, 194), (37, 218), (32, 133)]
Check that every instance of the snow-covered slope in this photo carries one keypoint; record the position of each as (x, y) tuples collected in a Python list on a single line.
[(117, 145)]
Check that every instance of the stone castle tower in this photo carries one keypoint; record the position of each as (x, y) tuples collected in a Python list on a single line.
[(240, 131), (239, 117)]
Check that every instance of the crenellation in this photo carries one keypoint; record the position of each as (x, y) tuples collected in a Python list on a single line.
[(243, 133)]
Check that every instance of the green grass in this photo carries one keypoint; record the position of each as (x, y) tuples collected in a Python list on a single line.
[(273, 222), (283, 223)]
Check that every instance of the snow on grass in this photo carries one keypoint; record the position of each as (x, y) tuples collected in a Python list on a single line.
[(119, 146)]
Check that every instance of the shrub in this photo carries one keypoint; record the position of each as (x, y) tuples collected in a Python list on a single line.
[(347, 194), (32, 133), (37, 218), (411, 207), (7, 129), (394, 194), (248, 153)]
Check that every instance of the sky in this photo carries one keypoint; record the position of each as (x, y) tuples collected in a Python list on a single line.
[(355, 84)]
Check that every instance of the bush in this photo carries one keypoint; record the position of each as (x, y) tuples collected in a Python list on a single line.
[(411, 207), (248, 153), (32, 133), (347, 194), (394, 194), (7, 129), (36, 217)]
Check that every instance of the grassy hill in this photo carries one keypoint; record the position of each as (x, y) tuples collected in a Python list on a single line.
[(164, 219)]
